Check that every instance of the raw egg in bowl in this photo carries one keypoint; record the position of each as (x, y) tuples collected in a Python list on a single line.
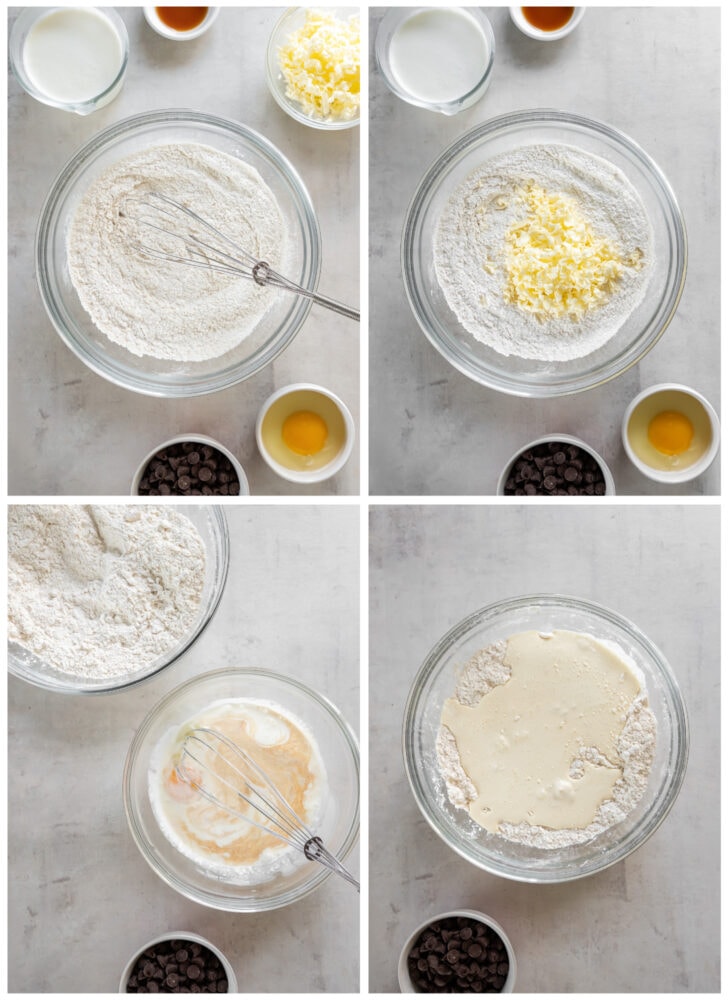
[(670, 433), (305, 433)]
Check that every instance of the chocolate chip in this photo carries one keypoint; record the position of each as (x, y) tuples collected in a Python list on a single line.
[(452, 956), (556, 469), (181, 472), (160, 969)]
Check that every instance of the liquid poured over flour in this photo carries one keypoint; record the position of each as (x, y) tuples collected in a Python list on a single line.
[(549, 739), (164, 310)]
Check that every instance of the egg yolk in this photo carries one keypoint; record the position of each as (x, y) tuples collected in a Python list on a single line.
[(304, 432), (670, 432)]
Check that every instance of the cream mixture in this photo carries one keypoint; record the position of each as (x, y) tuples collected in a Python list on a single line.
[(549, 739), (223, 845), (543, 252), (167, 310)]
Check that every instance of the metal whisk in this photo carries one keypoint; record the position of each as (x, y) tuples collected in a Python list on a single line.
[(192, 247), (201, 761)]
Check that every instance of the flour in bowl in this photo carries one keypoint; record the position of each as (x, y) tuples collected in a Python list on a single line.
[(165, 310), (102, 591), (544, 252)]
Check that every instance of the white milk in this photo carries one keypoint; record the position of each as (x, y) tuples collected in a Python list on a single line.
[(438, 55), (72, 55)]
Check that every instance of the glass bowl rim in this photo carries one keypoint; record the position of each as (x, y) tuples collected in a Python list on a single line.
[(428, 184), (488, 613), (202, 896), (222, 535), (107, 138)]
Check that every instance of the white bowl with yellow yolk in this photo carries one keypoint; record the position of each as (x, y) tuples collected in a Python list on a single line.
[(305, 433), (671, 433)]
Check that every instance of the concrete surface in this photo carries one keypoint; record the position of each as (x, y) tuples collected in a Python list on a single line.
[(649, 924), (651, 72), (71, 431), (82, 898)]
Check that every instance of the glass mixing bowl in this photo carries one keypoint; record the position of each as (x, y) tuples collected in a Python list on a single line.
[(339, 826), (639, 332), (212, 526), (152, 376), (436, 682)]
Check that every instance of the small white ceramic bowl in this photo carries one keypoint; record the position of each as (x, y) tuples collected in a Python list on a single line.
[(198, 439), (566, 439), (701, 463), (155, 22), (405, 983), (545, 36), (313, 475), (181, 936)]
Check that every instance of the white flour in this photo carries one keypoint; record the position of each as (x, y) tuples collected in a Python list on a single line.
[(635, 747), (164, 310), (100, 592), (472, 232)]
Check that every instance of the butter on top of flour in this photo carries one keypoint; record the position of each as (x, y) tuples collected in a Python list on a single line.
[(544, 252), (555, 749)]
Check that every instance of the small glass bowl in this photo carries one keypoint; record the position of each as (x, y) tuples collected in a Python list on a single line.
[(565, 439), (25, 20), (197, 439), (181, 936), (389, 24), (648, 398), (307, 390), (339, 826), (518, 376), (293, 19), (152, 376), (405, 981), (212, 526), (436, 682), (157, 24)]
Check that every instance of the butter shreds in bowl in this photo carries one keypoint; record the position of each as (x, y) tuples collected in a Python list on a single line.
[(313, 66)]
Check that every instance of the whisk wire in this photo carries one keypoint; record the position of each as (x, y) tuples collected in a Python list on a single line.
[(240, 263), (283, 821)]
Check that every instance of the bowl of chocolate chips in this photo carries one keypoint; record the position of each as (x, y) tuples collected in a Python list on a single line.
[(463, 951), (179, 962), (190, 465), (556, 465)]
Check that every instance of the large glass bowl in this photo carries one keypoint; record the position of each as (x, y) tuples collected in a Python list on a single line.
[(153, 376), (436, 682), (639, 332), (212, 526), (339, 825)]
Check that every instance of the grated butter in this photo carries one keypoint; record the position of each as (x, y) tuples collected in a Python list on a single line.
[(320, 64), (555, 263)]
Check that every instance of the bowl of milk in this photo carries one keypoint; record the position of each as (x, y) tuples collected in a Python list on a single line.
[(439, 58), (72, 58)]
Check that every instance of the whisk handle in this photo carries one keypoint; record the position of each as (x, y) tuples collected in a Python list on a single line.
[(333, 304)]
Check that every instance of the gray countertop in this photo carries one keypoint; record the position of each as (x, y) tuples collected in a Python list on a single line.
[(649, 924), (72, 432), (651, 72), (82, 898)]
